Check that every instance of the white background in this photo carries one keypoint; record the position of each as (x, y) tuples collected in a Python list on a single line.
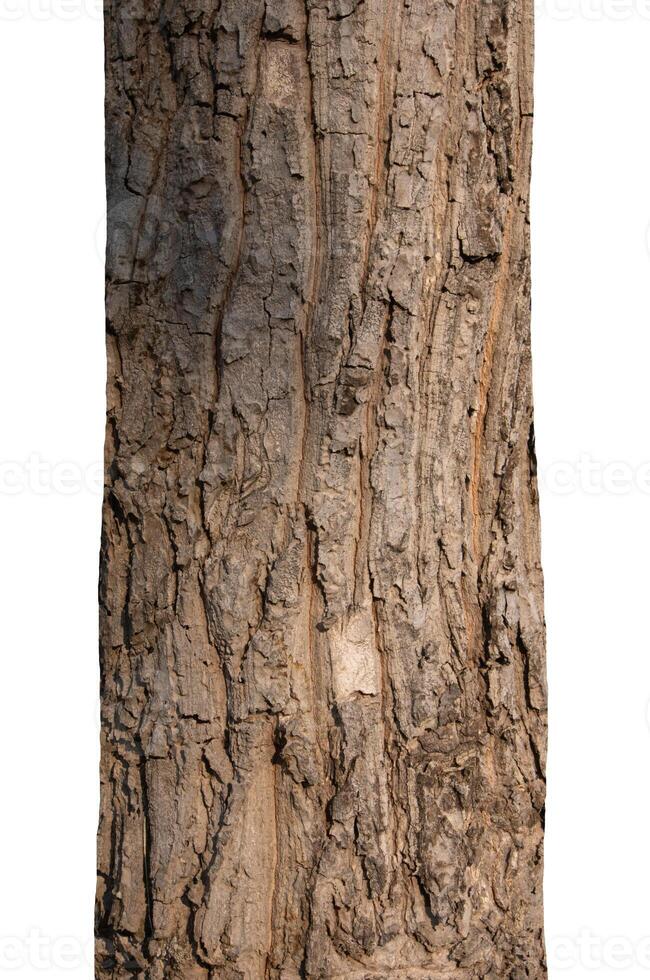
[(591, 213)]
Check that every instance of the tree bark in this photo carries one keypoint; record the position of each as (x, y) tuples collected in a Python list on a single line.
[(322, 636)]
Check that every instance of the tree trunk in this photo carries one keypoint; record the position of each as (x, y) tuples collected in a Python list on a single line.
[(322, 634)]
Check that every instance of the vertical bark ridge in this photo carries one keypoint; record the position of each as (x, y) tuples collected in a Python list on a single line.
[(504, 275)]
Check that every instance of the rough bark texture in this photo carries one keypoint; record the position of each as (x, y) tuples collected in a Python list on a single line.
[(321, 598)]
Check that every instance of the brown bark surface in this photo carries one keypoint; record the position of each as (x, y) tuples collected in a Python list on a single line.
[(322, 636)]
